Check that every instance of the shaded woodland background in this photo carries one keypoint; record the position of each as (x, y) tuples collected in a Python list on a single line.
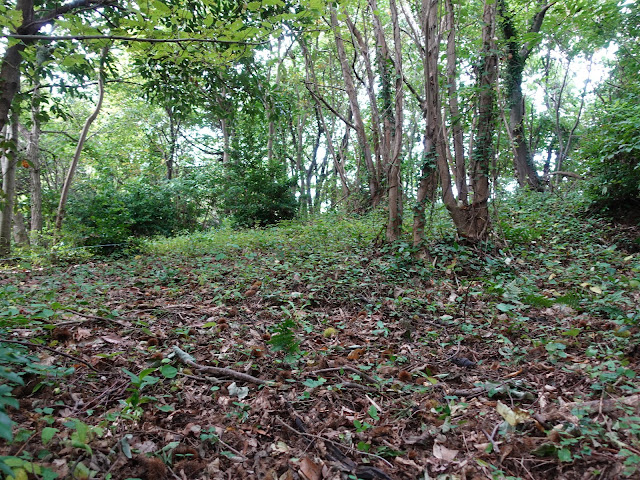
[(127, 120)]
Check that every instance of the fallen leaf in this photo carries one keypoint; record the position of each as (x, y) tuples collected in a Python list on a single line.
[(444, 453), (310, 470), (513, 416)]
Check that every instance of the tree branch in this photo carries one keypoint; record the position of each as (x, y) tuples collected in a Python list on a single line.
[(128, 39)]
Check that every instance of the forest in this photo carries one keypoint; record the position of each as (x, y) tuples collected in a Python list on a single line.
[(282, 240)]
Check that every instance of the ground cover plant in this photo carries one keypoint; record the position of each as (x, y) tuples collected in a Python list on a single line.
[(314, 350)]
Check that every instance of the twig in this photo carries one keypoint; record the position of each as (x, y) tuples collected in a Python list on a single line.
[(96, 317), (318, 437), (368, 378), (50, 349), (226, 372)]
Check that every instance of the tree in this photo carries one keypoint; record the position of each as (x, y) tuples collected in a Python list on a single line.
[(8, 160), (83, 137), (471, 219), (518, 52)]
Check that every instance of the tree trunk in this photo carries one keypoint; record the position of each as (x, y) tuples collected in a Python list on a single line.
[(517, 56), (363, 48), (477, 214), (9, 159), (33, 156), (454, 110), (374, 185), (83, 137), (471, 221), (394, 181), (338, 159), (430, 105), (20, 235)]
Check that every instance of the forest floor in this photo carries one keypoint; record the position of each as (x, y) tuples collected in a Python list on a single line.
[(308, 351)]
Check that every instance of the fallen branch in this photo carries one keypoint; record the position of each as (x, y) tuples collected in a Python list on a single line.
[(219, 371), (50, 349), (347, 368), (93, 317), (604, 406)]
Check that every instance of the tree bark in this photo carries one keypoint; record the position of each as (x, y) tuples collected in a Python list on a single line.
[(471, 221), (9, 160), (33, 156), (454, 109), (394, 180), (374, 184), (83, 137), (517, 56)]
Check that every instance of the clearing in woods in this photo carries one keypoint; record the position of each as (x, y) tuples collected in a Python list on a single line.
[(309, 351)]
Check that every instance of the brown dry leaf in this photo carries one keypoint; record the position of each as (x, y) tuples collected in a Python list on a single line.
[(356, 354), (112, 338), (82, 333), (310, 470), (444, 453)]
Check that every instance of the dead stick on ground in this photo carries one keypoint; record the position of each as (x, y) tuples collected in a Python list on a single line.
[(50, 349), (225, 372), (347, 368), (96, 317)]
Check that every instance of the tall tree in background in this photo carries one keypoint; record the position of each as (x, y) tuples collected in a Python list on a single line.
[(517, 54), (81, 141)]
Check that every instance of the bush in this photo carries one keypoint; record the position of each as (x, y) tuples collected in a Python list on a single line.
[(103, 214), (258, 194)]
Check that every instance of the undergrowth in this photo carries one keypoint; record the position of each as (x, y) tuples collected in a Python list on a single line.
[(546, 308)]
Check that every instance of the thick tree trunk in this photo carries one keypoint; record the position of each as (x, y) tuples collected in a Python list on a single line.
[(435, 163), (517, 56), (394, 181), (9, 160), (471, 221), (83, 137), (20, 235)]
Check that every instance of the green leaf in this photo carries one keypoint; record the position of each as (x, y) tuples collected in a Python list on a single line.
[(373, 412), (505, 307), (574, 332), (48, 433), (5, 427), (564, 455), (169, 371)]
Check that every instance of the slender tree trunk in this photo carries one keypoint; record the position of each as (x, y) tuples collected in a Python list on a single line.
[(226, 141), (338, 160), (83, 137), (9, 160), (374, 184), (33, 156), (363, 48), (454, 110)]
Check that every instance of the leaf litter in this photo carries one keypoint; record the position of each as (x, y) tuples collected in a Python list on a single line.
[(272, 364)]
